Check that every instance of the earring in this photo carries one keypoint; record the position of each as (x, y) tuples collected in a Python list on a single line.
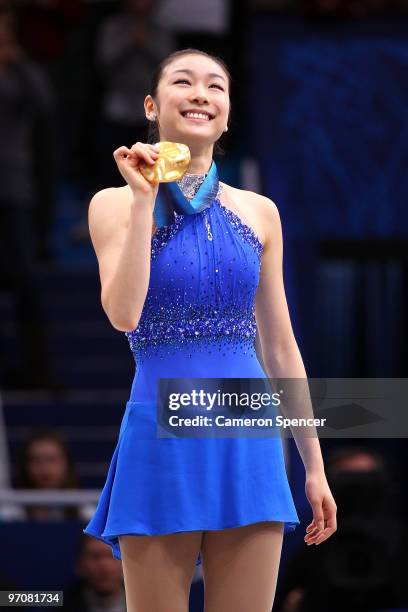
[(226, 128), (152, 117)]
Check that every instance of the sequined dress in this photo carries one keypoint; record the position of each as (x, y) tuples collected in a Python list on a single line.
[(198, 320)]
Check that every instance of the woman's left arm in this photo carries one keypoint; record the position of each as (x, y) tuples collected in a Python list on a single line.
[(282, 359)]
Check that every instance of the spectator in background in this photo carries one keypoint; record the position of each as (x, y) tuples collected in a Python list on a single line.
[(99, 585), (363, 568), (129, 46), (50, 31), (46, 463), (26, 197), (45, 25)]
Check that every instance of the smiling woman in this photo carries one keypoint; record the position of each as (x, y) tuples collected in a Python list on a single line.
[(185, 78), (190, 288)]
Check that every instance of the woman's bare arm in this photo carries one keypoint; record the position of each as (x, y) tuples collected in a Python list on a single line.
[(280, 352), (122, 244), (120, 225), (282, 359)]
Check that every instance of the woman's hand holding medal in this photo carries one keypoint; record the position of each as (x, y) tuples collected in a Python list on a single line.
[(129, 161), (144, 165)]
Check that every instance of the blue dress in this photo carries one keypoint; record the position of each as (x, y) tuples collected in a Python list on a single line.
[(198, 320)]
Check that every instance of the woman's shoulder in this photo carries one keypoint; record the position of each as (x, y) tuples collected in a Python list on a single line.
[(110, 207), (252, 205), (109, 212), (245, 196), (111, 202)]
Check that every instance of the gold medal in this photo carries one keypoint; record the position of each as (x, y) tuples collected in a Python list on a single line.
[(172, 163)]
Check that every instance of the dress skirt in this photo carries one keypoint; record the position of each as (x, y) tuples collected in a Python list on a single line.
[(158, 486)]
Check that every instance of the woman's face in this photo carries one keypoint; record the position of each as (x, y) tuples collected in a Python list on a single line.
[(193, 83), (46, 464)]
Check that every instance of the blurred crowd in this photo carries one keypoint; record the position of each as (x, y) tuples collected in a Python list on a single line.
[(45, 462), (362, 567)]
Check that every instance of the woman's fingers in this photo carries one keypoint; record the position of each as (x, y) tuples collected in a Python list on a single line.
[(121, 153), (327, 531), (127, 160), (139, 150), (145, 152), (315, 535), (311, 536)]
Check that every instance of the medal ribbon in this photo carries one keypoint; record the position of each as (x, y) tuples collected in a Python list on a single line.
[(171, 199)]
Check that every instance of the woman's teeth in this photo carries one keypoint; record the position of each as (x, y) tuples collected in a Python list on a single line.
[(197, 116)]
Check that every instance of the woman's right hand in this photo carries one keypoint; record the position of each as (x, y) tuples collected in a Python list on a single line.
[(128, 161)]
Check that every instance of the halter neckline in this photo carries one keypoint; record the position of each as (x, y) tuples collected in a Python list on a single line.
[(190, 183)]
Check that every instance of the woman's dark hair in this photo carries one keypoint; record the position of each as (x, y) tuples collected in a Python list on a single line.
[(153, 131)]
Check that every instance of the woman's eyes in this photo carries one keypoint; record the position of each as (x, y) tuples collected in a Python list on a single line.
[(186, 81)]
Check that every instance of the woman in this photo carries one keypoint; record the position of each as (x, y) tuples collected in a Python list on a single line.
[(45, 463), (186, 292)]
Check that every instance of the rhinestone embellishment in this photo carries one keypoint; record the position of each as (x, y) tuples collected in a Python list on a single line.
[(244, 230), (200, 297), (191, 183), (180, 324)]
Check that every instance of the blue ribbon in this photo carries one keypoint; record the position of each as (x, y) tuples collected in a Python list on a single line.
[(171, 199)]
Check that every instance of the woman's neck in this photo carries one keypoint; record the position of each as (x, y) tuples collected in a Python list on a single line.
[(201, 160), (199, 168)]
